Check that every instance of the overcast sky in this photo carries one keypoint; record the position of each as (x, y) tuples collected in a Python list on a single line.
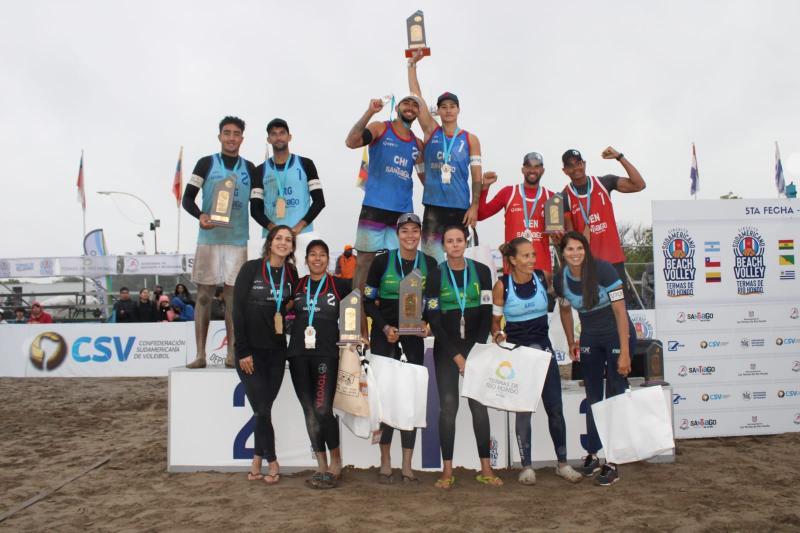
[(130, 82)]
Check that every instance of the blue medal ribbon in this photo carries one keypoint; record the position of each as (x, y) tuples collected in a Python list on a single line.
[(588, 210), (461, 297), (277, 294), (447, 149), (525, 204), (400, 263), (311, 305), (280, 174)]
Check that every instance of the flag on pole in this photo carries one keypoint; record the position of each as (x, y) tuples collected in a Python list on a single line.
[(780, 183), (177, 182), (363, 170), (694, 175), (81, 188)]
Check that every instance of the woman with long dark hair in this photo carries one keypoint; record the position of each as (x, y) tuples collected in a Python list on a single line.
[(594, 289), (521, 297), (183, 293), (262, 291), (314, 359), (466, 316)]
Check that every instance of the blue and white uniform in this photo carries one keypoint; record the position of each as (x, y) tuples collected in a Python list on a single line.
[(239, 230), (291, 182), (456, 193)]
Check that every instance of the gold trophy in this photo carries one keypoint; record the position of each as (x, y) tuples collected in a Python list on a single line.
[(410, 321), (415, 31), (554, 215), (222, 202), (350, 319)]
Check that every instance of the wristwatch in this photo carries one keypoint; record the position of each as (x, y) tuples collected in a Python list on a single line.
[(620, 156)]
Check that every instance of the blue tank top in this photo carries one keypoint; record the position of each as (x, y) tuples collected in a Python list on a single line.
[(456, 193), (391, 162), (239, 230), (526, 319), (295, 192)]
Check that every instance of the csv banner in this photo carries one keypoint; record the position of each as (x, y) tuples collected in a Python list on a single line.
[(727, 299)]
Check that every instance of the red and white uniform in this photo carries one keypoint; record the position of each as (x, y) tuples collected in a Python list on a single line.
[(510, 199), (604, 241)]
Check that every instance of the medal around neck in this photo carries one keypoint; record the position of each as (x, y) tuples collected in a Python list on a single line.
[(554, 215), (310, 338), (410, 322), (447, 173), (350, 319), (222, 202), (415, 31), (280, 207)]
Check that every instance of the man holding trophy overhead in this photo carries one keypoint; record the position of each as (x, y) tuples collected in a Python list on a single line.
[(452, 158), (226, 180)]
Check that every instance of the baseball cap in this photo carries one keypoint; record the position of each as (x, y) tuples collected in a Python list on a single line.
[(534, 158), (411, 96), (406, 218), (447, 96), (36, 304), (277, 123), (348, 247), (571, 154)]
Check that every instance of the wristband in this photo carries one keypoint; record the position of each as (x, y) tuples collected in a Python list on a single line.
[(620, 156)]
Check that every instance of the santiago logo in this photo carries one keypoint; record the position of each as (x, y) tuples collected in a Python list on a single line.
[(679, 269), (749, 268)]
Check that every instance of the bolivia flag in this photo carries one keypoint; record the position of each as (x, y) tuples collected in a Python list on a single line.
[(786, 244)]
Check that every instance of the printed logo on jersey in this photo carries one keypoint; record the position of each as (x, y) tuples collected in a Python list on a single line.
[(749, 268), (679, 268)]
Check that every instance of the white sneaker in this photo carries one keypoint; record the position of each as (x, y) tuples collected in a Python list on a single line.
[(568, 473), (527, 476)]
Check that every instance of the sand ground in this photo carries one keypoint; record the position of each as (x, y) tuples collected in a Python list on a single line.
[(52, 429)]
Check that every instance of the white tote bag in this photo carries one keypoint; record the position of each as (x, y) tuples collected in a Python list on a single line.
[(403, 391), (482, 254), (635, 425), (506, 377), (369, 425)]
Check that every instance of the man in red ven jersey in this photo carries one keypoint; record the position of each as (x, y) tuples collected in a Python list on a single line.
[(524, 209), (588, 208)]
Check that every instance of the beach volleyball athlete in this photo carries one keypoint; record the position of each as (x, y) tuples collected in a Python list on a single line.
[(221, 251), (292, 190), (393, 152), (263, 289), (607, 338), (521, 297), (452, 159), (524, 209), (382, 303)]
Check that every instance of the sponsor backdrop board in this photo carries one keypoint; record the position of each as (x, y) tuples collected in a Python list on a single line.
[(727, 298)]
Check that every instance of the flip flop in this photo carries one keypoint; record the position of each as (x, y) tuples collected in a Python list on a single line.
[(275, 478), (492, 481), (409, 480), (385, 479), (255, 476), (445, 483)]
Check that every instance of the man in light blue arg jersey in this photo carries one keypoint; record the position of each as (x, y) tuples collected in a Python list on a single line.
[(452, 159), (393, 152), (221, 250), (292, 191)]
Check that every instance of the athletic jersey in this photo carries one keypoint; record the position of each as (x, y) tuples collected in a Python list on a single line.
[(525, 310), (391, 161), (255, 305), (326, 316), (604, 242), (389, 288), (456, 193), (515, 222), (296, 192), (598, 324), (449, 295), (239, 230)]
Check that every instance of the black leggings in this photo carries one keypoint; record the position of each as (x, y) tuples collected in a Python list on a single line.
[(314, 380), (447, 382), (414, 348), (261, 388)]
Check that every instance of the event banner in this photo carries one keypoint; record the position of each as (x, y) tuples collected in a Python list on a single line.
[(727, 299), (95, 266)]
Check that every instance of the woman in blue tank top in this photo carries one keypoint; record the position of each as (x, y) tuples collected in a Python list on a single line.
[(607, 338), (521, 297)]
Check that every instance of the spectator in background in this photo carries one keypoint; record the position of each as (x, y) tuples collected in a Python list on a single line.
[(145, 310), (184, 312), (2, 317), (183, 293), (124, 307), (346, 264), (218, 304), (157, 292), (19, 316), (165, 312), (38, 315)]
